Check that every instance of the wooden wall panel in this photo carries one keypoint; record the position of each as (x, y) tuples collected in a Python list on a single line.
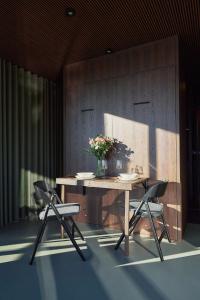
[(113, 90)]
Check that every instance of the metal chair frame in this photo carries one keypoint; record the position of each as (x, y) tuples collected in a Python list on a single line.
[(49, 196), (155, 191)]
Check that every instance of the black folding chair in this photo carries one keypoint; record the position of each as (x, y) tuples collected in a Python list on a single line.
[(55, 208), (146, 208)]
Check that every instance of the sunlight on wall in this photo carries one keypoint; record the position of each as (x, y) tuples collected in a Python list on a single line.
[(26, 186), (166, 154), (108, 124), (174, 207), (134, 135), (155, 149), (142, 149)]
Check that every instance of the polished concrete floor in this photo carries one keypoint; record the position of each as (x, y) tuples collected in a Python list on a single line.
[(58, 272)]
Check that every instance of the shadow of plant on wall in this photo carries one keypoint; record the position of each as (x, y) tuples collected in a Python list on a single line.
[(119, 158)]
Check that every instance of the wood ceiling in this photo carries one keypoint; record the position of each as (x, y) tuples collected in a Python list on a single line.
[(38, 36)]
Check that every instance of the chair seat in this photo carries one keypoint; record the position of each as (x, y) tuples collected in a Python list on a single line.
[(155, 208), (65, 209)]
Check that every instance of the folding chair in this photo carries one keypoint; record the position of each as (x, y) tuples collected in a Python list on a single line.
[(55, 208), (146, 208)]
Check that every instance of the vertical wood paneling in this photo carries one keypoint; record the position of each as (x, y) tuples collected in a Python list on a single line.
[(113, 90)]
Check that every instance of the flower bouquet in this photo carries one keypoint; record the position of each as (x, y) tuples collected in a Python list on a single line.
[(100, 146)]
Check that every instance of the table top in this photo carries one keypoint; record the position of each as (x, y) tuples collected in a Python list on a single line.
[(107, 183)]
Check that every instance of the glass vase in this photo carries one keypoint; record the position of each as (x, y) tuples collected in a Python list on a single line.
[(101, 168)]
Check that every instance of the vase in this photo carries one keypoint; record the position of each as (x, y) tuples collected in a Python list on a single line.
[(101, 168)]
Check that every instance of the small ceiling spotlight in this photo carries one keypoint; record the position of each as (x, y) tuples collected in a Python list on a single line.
[(70, 12), (108, 51)]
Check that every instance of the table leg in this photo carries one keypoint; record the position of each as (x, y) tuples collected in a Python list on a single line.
[(126, 222), (63, 193), (63, 200)]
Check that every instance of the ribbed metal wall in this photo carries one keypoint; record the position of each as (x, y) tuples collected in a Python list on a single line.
[(30, 138)]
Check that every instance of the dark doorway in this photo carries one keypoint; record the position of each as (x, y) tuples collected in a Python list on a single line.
[(194, 199)]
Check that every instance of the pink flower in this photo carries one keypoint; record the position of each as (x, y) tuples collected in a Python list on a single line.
[(91, 141), (99, 139)]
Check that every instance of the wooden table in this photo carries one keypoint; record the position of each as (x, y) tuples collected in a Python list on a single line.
[(107, 183)]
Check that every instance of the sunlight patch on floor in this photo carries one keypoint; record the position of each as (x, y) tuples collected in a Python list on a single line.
[(10, 258), (108, 239), (57, 251), (111, 240), (102, 235), (60, 243), (114, 243), (13, 247), (166, 258)]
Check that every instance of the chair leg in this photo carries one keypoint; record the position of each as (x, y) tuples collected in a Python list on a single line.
[(166, 228), (77, 229), (73, 230), (154, 232), (67, 220), (38, 239), (67, 230), (119, 241), (132, 223), (162, 235)]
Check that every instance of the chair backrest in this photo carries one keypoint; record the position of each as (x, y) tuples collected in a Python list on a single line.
[(43, 185), (43, 191), (156, 191)]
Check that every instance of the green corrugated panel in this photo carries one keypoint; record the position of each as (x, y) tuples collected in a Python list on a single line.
[(10, 145), (28, 136), (22, 130), (15, 141), (28, 128), (40, 129), (1, 146), (5, 144)]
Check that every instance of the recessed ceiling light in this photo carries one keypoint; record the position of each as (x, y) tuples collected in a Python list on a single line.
[(70, 12), (108, 51)]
